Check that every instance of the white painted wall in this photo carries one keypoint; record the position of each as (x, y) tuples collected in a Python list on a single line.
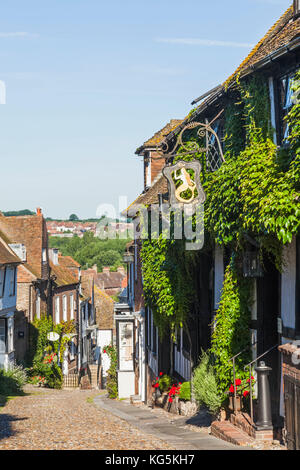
[(126, 384)]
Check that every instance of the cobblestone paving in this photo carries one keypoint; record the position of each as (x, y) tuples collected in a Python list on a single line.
[(66, 419)]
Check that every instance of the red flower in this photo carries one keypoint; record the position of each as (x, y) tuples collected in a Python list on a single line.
[(238, 382), (161, 373), (231, 389), (170, 400), (104, 350), (156, 385), (248, 380), (246, 393)]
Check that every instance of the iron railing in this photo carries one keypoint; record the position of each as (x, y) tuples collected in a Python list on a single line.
[(232, 359), (250, 376)]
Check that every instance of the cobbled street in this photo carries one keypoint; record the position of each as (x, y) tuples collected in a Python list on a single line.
[(47, 419)]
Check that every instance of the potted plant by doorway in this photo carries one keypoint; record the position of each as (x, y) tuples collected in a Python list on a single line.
[(241, 389)]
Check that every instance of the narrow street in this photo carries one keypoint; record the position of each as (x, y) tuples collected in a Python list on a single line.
[(66, 420), (47, 419)]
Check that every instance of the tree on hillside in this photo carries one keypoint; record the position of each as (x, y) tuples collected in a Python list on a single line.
[(73, 217)]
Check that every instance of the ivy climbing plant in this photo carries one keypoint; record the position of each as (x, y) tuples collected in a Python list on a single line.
[(253, 193)]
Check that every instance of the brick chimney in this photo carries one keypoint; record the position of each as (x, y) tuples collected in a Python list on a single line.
[(39, 211), (121, 270), (106, 269)]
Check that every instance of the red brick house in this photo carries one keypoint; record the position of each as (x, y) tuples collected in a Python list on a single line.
[(27, 236), (47, 283), (9, 263)]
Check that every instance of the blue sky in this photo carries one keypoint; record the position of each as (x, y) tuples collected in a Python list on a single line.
[(88, 81)]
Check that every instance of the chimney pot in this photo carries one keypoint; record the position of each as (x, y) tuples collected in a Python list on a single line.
[(106, 269), (38, 211)]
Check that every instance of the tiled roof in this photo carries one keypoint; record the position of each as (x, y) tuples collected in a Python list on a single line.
[(88, 279), (29, 230), (64, 276), (67, 261), (151, 196), (7, 256), (281, 33), (110, 280), (25, 275), (159, 136)]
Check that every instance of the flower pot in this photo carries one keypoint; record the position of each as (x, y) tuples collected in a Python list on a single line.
[(238, 403)]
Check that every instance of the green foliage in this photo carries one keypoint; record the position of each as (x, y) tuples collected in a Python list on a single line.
[(18, 213), (257, 193), (165, 383), (251, 193), (112, 379), (234, 139), (73, 217), (90, 250), (185, 391), (205, 388), (167, 282), (231, 332), (42, 348), (12, 381)]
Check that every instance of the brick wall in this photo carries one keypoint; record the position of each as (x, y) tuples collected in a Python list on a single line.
[(289, 367), (59, 293), (156, 165)]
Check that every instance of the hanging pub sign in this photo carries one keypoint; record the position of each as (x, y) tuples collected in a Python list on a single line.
[(184, 183), (195, 139)]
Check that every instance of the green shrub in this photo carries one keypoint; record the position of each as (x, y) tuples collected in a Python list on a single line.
[(185, 391), (205, 384), (49, 371), (12, 381), (165, 383), (54, 377)]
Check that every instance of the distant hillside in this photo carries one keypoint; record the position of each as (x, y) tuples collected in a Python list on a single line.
[(18, 213)]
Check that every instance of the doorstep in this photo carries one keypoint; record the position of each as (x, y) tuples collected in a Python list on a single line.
[(228, 432)]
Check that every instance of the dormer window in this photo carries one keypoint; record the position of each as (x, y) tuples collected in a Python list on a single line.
[(296, 8), (20, 250)]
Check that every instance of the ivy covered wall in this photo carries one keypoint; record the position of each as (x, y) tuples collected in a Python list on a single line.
[(256, 192)]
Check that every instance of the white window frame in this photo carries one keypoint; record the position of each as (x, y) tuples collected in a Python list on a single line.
[(2, 335), (57, 310), (10, 335), (38, 304), (65, 308), (72, 306)]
